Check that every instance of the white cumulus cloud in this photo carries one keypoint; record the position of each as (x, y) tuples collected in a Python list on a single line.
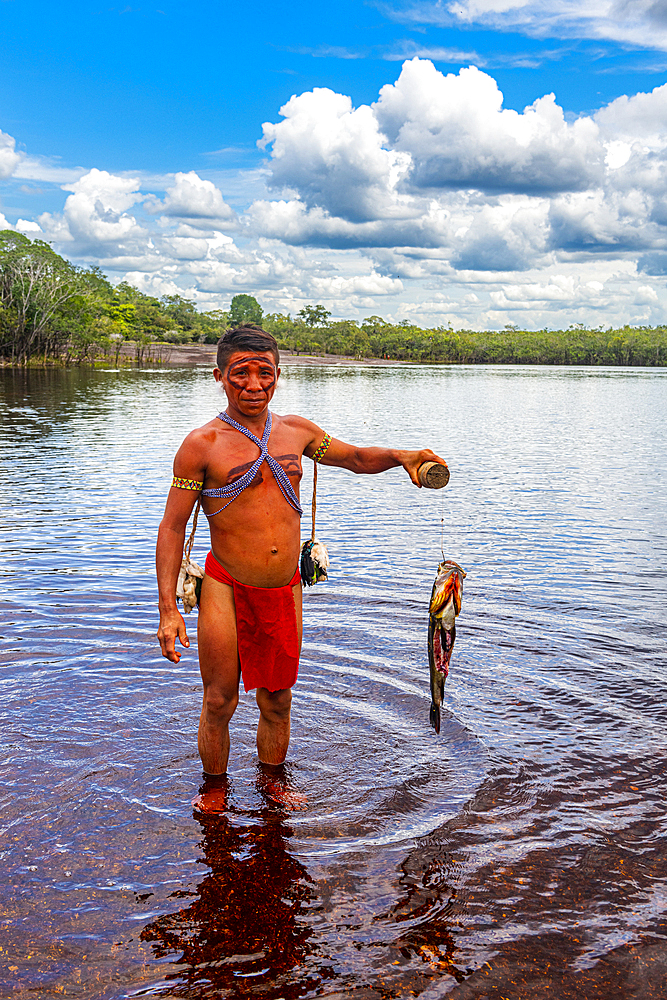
[(457, 134), (335, 157), (434, 202), (28, 226), (97, 210), (640, 118), (9, 158), (446, 168), (193, 198)]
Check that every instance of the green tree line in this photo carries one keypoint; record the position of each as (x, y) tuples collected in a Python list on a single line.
[(52, 311)]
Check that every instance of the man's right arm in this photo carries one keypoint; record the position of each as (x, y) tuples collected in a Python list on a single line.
[(169, 550)]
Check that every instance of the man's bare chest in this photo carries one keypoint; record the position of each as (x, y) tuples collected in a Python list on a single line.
[(233, 456), (289, 462)]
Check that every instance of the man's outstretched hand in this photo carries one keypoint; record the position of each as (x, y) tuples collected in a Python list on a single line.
[(172, 626), (412, 460)]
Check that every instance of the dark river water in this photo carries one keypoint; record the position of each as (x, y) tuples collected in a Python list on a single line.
[(522, 853)]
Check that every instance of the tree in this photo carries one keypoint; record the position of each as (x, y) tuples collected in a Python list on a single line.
[(35, 283), (183, 311), (245, 309), (212, 325), (97, 282), (314, 315), (124, 317)]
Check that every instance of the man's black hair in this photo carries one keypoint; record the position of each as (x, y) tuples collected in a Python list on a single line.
[(247, 337)]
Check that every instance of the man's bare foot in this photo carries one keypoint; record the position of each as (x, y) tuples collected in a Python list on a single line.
[(212, 796), (284, 797), (272, 782)]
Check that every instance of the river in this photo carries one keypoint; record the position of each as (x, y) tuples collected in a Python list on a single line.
[(520, 853)]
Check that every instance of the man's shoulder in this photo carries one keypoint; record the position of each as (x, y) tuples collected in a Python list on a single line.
[(294, 420), (193, 457), (298, 426), (202, 438)]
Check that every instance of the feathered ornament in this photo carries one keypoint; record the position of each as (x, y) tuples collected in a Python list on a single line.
[(314, 562), (188, 585)]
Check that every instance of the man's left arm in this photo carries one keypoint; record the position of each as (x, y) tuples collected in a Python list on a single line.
[(368, 461)]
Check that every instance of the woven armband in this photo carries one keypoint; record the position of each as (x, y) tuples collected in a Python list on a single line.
[(186, 484), (322, 450)]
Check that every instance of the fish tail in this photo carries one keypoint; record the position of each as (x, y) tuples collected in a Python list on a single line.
[(434, 716)]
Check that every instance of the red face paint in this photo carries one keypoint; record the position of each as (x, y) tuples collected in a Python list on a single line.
[(252, 372)]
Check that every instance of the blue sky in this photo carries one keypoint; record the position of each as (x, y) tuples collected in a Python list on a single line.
[(396, 180)]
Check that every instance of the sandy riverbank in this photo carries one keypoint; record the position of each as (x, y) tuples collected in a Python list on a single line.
[(204, 354)]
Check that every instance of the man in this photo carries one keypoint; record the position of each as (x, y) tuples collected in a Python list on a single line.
[(247, 465)]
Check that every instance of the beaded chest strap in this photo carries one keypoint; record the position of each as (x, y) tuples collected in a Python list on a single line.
[(235, 489)]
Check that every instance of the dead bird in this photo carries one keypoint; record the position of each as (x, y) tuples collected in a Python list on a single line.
[(188, 586), (442, 611)]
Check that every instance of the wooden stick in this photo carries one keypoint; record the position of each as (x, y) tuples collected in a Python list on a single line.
[(433, 475), (312, 534), (187, 551)]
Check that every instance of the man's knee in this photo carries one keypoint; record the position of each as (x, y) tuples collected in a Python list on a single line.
[(274, 705), (219, 704)]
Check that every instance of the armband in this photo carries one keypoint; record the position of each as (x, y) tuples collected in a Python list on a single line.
[(322, 450), (186, 484)]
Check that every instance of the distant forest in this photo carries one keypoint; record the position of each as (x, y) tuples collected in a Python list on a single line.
[(54, 312)]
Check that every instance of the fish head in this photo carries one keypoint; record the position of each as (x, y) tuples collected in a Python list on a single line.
[(448, 586)]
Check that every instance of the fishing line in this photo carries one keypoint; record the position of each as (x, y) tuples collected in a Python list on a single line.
[(442, 526)]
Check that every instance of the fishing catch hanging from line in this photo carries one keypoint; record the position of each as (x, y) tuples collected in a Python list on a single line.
[(443, 608)]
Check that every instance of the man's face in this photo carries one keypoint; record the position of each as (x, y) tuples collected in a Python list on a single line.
[(249, 380)]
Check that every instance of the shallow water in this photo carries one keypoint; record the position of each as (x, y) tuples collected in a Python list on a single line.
[(522, 853)]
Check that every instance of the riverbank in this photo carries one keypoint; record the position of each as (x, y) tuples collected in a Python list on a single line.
[(625, 348), (181, 355)]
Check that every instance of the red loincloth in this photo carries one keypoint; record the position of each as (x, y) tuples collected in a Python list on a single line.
[(266, 630)]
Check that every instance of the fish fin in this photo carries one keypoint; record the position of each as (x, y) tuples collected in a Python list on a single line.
[(434, 716)]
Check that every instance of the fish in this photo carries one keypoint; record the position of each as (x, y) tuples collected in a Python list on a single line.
[(443, 608)]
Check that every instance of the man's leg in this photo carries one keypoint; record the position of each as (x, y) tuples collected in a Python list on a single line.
[(219, 665), (273, 728)]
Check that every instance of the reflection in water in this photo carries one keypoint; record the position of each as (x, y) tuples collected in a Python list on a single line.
[(251, 921), (425, 908)]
